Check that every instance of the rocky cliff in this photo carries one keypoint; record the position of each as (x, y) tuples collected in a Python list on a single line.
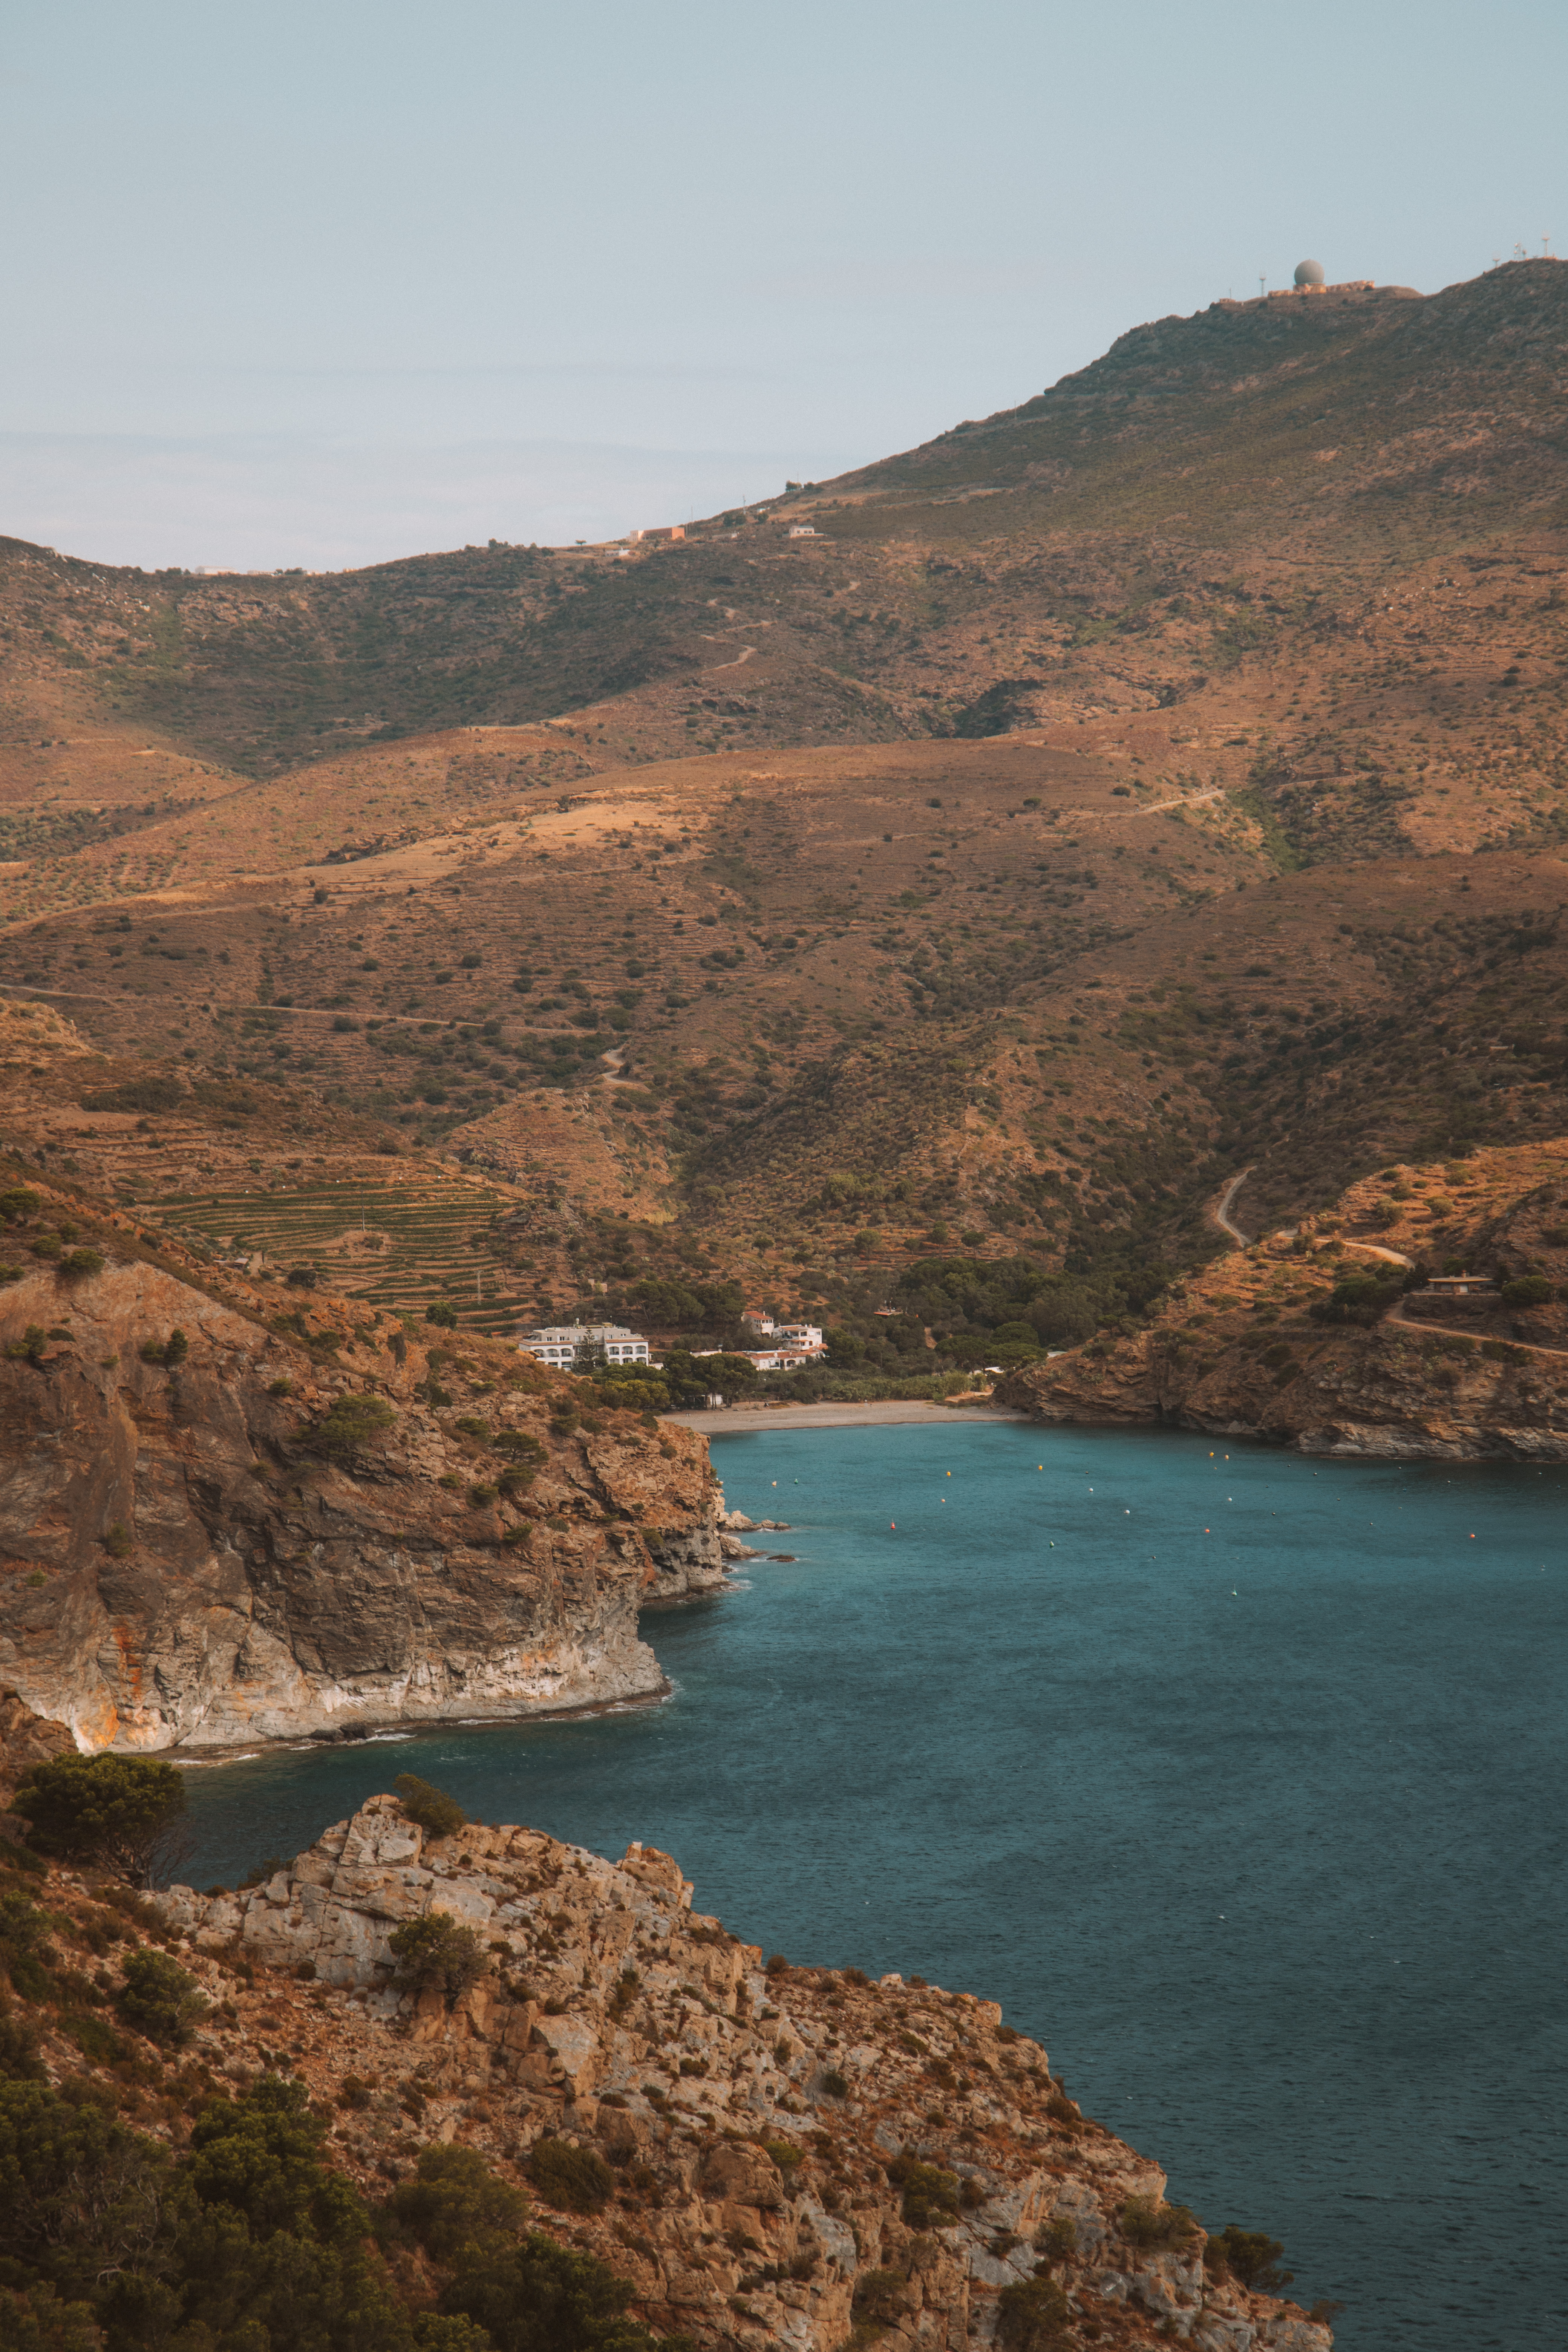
[(1249, 1346), (251, 1516), (796, 2157)]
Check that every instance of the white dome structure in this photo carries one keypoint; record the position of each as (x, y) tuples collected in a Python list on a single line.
[(1309, 273)]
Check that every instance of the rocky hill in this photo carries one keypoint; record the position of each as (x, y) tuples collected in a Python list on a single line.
[(773, 2156), (1326, 1339), (233, 1511)]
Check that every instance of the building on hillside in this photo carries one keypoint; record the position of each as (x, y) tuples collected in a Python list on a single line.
[(561, 1344), (754, 1318), (785, 1358), (1456, 1286), (800, 1335), (803, 530)]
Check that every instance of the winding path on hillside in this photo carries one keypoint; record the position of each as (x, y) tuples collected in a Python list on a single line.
[(1222, 1209)]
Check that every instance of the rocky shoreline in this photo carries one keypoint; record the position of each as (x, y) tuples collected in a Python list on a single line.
[(198, 1557), (1291, 1339), (796, 2157)]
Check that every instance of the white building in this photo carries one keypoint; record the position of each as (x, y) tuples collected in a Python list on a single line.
[(799, 1335), (559, 1343), (755, 1319), (786, 1359)]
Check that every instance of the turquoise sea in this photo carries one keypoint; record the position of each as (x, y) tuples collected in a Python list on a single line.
[(1238, 1779)]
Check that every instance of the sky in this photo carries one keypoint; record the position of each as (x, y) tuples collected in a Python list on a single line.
[(325, 282)]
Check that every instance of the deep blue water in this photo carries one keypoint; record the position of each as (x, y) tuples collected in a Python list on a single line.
[(1237, 1779)]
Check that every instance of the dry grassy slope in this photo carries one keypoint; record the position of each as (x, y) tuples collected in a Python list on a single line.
[(1091, 542), (1308, 411), (1338, 682), (1235, 1350), (1038, 1012)]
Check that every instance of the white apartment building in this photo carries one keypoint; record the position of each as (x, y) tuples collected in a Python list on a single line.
[(559, 1343), (799, 1335)]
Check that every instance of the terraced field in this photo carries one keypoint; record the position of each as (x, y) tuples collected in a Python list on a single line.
[(396, 1247)]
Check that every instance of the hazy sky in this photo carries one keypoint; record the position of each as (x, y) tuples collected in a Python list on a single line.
[(325, 283)]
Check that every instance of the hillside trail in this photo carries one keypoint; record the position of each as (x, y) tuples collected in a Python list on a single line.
[(1222, 1208), (1454, 1331), (1182, 800)]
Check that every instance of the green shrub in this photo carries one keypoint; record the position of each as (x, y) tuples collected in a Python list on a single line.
[(117, 1541), (353, 1423), (431, 1808), (1058, 2239), (1361, 1299), (124, 1813), (573, 2179), (930, 2194), (17, 1202), (454, 2202), (544, 2297), (1031, 2315), (443, 1314), (95, 2038), (1249, 2255), (171, 1350), (1145, 2221), (836, 2085), (436, 1951), (879, 2296), (19, 2059), (158, 1999), (1528, 1290), (77, 1263), (29, 1349)]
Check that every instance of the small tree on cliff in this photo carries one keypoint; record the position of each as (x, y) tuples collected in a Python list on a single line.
[(438, 1950), (124, 1813), (354, 1423), (436, 1813)]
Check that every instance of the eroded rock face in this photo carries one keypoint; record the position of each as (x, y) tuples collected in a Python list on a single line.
[(760, 2123), (184, 1564)]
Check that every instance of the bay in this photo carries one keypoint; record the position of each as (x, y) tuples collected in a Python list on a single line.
[(1234, 1777)]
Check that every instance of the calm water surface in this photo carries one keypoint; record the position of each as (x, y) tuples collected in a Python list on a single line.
[(1236, 1780)]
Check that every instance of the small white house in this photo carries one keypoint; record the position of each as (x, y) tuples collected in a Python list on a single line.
[(559, 1344), (800, 1335)]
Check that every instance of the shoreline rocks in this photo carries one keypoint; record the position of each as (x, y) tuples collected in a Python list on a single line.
[(798, 2155)]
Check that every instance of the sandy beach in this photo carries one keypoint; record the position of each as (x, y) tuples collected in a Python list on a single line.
[(735, 1420)]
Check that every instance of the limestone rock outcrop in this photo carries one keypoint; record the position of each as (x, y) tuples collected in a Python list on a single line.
[(191, 1555), (794, 2150)]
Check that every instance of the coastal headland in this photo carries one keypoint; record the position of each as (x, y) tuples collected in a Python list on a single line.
[(790, 2155)]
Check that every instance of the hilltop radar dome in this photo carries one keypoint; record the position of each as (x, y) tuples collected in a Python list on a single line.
[(1309, 273)]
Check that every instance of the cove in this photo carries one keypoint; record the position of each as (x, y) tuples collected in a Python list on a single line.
[(1234, 1777)]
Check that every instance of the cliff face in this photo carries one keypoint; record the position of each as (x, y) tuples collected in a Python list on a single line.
[(1237, 1350), (761, 2125), (188, 1558)]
